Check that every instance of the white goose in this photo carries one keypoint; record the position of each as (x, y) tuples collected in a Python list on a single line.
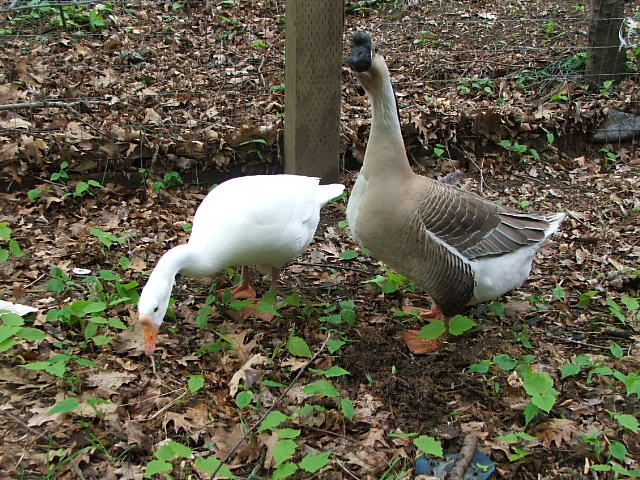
[(460, 248), (263, 220)]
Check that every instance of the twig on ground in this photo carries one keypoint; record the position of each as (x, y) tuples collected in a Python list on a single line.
[(56, 104), (21, 423), (47, 104), (468, 450), (480, 171), (168, 405), (270, 409), (150, 398), (329, 265), (577, 342), (354, 440), (346, 470)]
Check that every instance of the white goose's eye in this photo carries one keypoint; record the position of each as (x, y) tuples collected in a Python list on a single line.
[(155, 310)]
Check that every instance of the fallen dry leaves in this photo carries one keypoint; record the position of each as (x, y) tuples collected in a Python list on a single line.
[(185, 99)]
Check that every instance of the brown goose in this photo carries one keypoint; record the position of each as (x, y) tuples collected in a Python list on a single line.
[(460, 248)]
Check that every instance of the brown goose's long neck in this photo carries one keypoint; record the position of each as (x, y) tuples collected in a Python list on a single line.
[(385, 154)]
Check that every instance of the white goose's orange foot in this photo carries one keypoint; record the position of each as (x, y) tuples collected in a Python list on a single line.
[(415, 344), (244, 290)]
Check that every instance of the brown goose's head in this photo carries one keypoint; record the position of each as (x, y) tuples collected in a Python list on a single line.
[(366, 61)]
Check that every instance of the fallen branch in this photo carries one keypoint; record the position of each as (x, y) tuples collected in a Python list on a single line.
[(270, 409), (47, 104), (468, 450), (329, 265), (56, 104)]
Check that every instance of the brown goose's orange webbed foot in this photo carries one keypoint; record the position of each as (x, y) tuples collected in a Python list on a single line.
[(414, 343)]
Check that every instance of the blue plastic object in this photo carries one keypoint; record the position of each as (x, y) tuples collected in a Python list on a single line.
[(481, 467)]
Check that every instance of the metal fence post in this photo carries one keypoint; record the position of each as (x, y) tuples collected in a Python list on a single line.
[(313, 66)]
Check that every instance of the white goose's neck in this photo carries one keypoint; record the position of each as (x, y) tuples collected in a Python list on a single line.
[(385, 154), (181, 259)]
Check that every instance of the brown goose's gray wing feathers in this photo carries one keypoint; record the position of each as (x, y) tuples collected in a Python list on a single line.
[(475, 227)]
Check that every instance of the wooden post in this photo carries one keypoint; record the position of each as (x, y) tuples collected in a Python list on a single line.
[(605, 59), (313, 77)]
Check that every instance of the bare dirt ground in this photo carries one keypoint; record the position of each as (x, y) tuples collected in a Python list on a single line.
[(176, 109)]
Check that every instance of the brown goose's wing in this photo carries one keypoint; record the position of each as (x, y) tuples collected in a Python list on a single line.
[(475, 227)]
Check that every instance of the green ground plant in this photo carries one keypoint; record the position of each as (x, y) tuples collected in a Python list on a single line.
[(8, 245)]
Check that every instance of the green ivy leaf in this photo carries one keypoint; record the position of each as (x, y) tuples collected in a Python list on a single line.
[(627, 421), (334, 371), (5, 231), (283, 471), (8, 332), (298, 347), (82, 307), (618, 450), (346, 406), (101, 339), (321, 387), (540, 386), (505, 362), (348, 254), (333, 345), (428, 445), (569, 370), (283, 450), (108, 275), (115, 322), (496, 308), (460, 324), (272, 420), (288, 433), (209, 465), (630, 303), (12, 319), (313, 463), (155, 467), (530, 412), (65, 406), (7, 344), (558, 293), (517, 454), (195, 383), (244, 398), (31, 334), (515, 436), (165, 452), (432, 330), (15, 249), (178, 449), (600, 467), (271, 383), (616, 350), (480, 367)]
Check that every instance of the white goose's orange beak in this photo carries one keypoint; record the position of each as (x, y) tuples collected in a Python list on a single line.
[(150, 334)]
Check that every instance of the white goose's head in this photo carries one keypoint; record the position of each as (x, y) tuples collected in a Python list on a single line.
[(367, 62), (152, 306)]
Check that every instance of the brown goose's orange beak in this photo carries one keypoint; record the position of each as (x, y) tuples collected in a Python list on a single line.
[(150, 335)]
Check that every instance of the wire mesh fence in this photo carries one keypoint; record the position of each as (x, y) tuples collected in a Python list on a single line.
[(119, 86)]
